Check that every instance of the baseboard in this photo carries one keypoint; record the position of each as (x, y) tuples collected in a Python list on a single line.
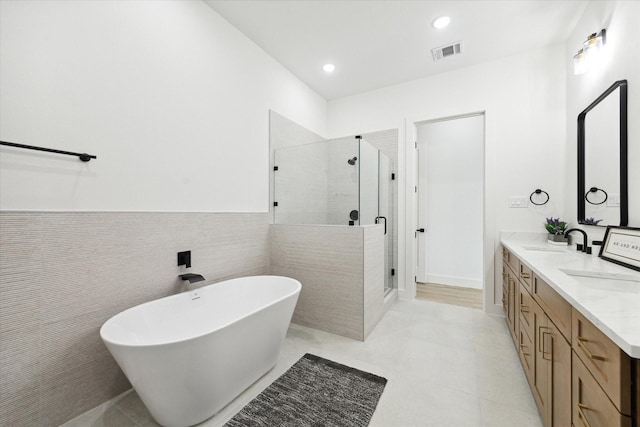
[(454, 281), (404, 294), (494, 309)]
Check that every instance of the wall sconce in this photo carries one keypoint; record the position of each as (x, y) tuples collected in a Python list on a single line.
[(589, 52)]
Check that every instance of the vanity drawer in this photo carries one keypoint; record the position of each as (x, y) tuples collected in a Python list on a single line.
[(590, 405), (608, 364), (509, 259), (556, 307), (525, 275), (526, 302)]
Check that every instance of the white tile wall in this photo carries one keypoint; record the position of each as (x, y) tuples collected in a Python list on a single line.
[(301, 184), (63, 274), (340, 269)]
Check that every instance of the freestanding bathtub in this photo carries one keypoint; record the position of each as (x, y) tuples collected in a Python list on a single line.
[(190, 354)]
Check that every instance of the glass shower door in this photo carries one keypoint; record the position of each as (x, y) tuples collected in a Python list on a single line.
[(368, 183), (385, 213), (317, 183)]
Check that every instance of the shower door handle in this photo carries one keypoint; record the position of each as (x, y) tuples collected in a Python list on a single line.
[(385, 222)]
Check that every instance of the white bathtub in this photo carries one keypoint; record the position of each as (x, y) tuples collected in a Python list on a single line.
[(190, 354)]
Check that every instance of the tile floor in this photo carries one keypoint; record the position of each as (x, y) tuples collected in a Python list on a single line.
[(446, 366)]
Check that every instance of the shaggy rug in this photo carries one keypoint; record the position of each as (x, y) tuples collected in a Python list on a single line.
[(314, 392)]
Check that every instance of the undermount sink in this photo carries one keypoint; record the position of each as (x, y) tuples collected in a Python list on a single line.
[(602, 275), (544, 249)]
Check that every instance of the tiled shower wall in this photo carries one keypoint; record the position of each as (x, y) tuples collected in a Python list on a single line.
[(301, 184), (63, 274), (341, 271)]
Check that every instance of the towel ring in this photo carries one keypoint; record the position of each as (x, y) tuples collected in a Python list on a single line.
[(595, 190), (538, 191)]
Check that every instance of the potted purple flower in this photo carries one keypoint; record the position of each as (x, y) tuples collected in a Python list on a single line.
[(556, 230)]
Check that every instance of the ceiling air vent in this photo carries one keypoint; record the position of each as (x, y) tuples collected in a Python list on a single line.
[(447, 50)]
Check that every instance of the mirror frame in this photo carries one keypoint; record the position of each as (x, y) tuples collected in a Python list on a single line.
[(624, 194)]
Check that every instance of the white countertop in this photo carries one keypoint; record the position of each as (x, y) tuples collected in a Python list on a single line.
[(611, 304)]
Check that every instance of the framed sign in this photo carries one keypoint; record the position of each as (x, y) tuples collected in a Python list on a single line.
[(622, 246)]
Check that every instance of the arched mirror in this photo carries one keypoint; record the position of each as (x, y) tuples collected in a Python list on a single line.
[(602, 159)]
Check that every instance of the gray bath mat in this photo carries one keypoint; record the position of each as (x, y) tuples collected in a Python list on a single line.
[(314, 392)]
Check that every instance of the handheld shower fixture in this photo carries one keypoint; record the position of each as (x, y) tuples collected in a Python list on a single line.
[(352, 161)]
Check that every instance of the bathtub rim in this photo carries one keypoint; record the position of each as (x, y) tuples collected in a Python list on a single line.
[(107, 341)]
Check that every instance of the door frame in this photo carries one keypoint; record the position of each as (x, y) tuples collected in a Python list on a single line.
[(422, 191), (489, 237)]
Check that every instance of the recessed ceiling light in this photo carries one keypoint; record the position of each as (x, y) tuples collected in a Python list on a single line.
[(441, 22), (329, 68)]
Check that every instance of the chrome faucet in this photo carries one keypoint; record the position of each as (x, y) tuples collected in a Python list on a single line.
[(584, 247)]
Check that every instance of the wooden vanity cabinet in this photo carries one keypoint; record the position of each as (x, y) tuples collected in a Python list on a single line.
[(577, 375)]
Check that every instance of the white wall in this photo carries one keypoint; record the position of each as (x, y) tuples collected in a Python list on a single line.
[(619, 60), (172, 99), (524, 104), (450, 199)]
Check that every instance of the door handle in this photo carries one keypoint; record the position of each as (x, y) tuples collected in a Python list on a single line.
[(377, 220), (420, 230)]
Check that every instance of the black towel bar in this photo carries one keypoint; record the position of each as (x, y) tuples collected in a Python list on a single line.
[(82, 156)]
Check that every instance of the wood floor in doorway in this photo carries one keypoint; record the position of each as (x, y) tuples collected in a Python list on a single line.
[(455, 295)]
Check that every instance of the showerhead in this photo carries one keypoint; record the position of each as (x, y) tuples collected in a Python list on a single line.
[(352, 161)]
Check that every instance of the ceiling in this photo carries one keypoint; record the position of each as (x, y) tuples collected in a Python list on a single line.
[(378, 43)]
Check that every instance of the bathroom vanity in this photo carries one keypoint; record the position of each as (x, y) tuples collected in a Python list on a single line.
[(575, 321)]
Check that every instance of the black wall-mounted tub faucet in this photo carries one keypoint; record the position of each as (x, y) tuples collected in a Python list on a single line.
[(184, 258), (584, 247), (191, 277)]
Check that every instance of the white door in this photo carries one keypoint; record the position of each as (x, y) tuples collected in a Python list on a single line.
[(450, 199)]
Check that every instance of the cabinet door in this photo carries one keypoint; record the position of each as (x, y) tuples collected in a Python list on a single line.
[(541, 384), (526, 351), (525, 304), (591, 406), (560, 350), (513, 314), (505, 290), (608, 364)]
